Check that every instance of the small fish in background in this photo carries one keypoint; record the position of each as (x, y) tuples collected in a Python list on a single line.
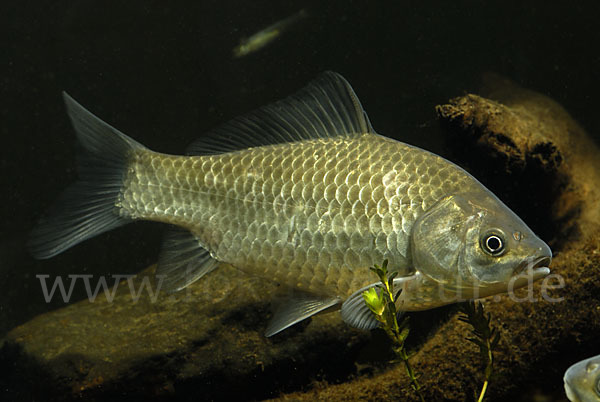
[(304, 193), (582, 381), (265, 36)]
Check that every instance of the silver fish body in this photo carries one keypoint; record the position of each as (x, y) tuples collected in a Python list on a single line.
[(304, 193), (582, 381), (310, 214)]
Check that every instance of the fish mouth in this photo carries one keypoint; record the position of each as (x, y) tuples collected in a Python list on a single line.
[(537, 267)]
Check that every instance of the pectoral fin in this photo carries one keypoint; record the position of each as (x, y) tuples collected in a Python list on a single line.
[(355, 311), (297, 308)]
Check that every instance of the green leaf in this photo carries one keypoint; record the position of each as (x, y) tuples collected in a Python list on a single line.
[(374, 301), (404, 333), (478, 343), (398, 294), (495, 341)]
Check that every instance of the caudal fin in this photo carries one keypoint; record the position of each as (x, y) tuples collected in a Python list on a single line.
[(89, 206)]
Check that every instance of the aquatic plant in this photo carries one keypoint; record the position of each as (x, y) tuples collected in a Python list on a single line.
[(484, 336), (382, 305)]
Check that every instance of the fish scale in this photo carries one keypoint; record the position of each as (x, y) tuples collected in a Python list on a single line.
[(311, 214)]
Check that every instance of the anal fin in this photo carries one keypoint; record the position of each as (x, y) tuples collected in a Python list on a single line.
[(183, 260)]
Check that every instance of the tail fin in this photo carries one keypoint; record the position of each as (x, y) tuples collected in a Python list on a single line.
[(88, 207)]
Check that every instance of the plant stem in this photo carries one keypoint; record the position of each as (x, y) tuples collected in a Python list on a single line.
[(483, 389), (411, 374), (484, 336), (383, 306), (488, 370)]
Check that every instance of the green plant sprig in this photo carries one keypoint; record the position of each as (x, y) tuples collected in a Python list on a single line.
[(484, 336), (382, 304)]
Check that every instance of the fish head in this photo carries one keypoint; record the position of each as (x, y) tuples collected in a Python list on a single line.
[(582, 380), (474, 246)]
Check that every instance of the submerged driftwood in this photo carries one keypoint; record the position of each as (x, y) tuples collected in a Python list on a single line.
[(207, 343)]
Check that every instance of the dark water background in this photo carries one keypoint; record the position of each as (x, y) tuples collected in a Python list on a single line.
[(162, 72)]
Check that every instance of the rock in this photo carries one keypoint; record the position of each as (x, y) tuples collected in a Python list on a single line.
[(205, 342)]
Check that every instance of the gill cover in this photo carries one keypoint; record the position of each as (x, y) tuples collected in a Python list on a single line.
[(440, 237)]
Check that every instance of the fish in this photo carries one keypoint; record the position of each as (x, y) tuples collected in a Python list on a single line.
[(302, 192), (582, 381), (267, 35)]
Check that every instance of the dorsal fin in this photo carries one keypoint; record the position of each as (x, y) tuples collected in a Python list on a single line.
[(326, 107)]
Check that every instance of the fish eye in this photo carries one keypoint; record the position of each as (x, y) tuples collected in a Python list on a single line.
[(492, 243)]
